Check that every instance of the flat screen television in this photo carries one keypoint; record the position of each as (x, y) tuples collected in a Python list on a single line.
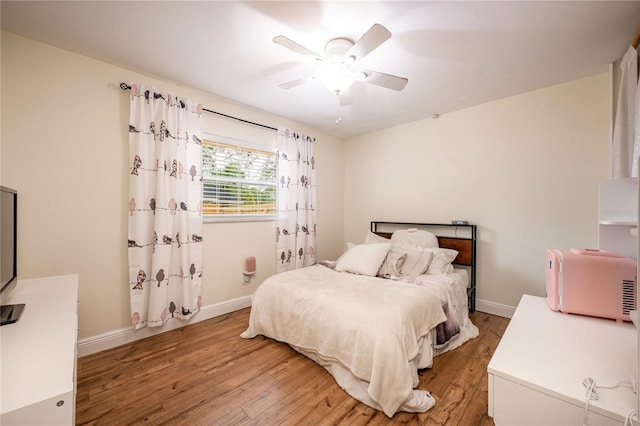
[(8, 254)]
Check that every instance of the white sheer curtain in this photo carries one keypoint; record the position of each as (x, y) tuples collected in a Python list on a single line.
[(296, 232), (625, 146), (165, 207)]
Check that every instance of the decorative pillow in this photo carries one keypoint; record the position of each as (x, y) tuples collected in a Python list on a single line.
[(416, 237), (441, 262), (393, 263), (372, 238), (417, 261), (363, 259)]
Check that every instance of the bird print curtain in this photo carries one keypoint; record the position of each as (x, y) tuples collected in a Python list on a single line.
[(165, 207), (296, 228)]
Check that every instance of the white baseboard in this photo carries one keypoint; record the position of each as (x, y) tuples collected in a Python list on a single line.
[(94, 344), (495, 308), (112, 339)]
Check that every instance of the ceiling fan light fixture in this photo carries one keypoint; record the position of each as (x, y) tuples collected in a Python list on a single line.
[(335, 50), (337, 79)]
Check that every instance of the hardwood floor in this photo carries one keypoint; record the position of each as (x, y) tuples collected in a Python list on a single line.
[(205, 374)]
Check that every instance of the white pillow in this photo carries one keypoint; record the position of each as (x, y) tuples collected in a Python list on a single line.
[(349, 247), (416, 237), (393, 263), (363, 259), (441, 262), (372, 238)]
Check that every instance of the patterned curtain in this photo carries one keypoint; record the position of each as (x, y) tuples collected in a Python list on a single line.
[(296, 232), (165, 207)]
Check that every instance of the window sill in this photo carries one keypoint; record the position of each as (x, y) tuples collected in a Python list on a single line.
[(229, 218)]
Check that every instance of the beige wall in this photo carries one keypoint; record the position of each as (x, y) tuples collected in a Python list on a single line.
[(65, 149), (525, 169)]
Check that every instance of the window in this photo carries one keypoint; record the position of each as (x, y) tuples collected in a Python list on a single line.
[(239, 180)]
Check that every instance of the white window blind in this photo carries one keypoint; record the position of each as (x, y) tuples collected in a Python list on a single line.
[(239, 180)]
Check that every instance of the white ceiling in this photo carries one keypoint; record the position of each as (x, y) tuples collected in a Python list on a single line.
[(456, 54)]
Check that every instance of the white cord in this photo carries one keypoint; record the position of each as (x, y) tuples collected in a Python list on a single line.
[(631, 416), (591, 393)]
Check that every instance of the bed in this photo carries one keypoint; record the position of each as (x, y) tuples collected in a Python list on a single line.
[(378, 314)]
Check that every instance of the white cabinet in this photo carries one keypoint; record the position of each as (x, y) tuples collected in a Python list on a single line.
[(38, 354), (536, 372)]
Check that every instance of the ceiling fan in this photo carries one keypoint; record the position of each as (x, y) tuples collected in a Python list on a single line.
[(341, 57)]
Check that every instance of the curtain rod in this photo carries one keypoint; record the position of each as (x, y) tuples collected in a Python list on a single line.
[(125, 86)]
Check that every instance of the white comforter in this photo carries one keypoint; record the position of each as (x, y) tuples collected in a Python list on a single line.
[(369, 327)]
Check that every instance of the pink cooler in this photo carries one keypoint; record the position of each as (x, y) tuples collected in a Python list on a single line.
[(591, 282)]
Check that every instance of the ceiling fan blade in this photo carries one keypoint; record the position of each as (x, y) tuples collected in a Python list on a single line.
[(295, 47), (389, 81), (294, 83), (373, 38)]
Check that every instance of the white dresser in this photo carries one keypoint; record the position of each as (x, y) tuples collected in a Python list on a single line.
[(536, 372), (38, 354)]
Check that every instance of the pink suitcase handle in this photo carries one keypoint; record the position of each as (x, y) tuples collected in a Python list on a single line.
[(595, 252)]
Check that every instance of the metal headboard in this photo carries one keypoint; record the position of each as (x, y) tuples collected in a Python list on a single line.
[(464, 245)]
